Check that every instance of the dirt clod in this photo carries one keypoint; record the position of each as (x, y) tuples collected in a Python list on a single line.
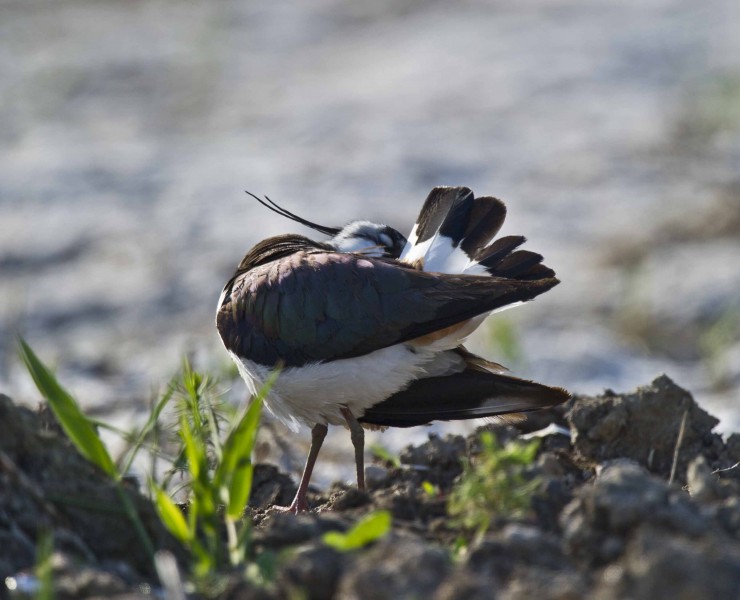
[(46, 486), (644, 426), (605, 521)]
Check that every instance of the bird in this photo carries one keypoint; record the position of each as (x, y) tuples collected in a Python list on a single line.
[(366, 328)]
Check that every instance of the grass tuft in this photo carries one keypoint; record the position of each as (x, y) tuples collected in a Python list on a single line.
[(213, 451), (494, 483), (219, 475)]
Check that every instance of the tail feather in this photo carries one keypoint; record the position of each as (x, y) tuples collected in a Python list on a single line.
[(517, 263), (442, 222), (485, 220), (460, 219), (446, 210), (455, 234), (470, 394), (498, 250), (537, 272)]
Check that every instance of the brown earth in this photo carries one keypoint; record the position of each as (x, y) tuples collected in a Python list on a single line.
[(605, 521)]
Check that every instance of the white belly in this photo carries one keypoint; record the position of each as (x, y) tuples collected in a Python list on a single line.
[(315, 393)]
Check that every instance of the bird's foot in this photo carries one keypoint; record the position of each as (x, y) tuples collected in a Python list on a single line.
[(299, 505)]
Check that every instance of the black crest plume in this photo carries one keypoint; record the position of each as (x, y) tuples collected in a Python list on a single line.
[(274, 207)]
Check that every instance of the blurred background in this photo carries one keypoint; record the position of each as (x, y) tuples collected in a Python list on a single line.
[(129, 131)]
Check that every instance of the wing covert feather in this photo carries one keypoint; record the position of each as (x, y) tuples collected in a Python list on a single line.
[(321, 306)]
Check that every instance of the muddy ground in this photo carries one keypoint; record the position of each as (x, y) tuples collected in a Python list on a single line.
[(605, 521)]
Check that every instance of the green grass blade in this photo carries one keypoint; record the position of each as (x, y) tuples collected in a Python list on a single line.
[(76, 425), (495, 482), (151, 422), (239, 443), (239, 490), (133, 517), (43, 568), (213, 430), (234, 472), (171, 515), (373, 527), (194, 450)]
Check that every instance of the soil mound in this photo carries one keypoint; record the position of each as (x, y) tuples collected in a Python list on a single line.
[(605, 521)]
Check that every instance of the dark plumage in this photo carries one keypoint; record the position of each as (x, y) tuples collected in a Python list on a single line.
[(302, 303), (466, 395)]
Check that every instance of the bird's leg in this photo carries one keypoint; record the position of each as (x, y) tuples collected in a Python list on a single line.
[(300, 504), (357, 435)]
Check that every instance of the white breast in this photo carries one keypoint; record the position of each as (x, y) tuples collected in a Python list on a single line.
[(316, 392)]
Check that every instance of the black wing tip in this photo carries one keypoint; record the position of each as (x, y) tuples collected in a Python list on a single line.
[(546, 283), (552, 395), (524, 290), (565, 395), (470, 394), (532, 288), (456, 213)]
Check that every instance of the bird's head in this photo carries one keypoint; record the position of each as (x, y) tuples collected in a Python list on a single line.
[(371, 239)]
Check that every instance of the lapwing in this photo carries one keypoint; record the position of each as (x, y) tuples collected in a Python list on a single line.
[(367, 327)]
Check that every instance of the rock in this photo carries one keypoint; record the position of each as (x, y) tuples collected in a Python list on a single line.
[(549, 465), (603, 524), (245, 590), (733, 447), (464, 584), (727, 515), (351, 498), (403, 500), (85, 582), (530, 583), (74, 580), (551, 497)]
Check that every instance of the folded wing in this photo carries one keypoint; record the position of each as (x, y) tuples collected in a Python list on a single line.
[(323, 306)]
